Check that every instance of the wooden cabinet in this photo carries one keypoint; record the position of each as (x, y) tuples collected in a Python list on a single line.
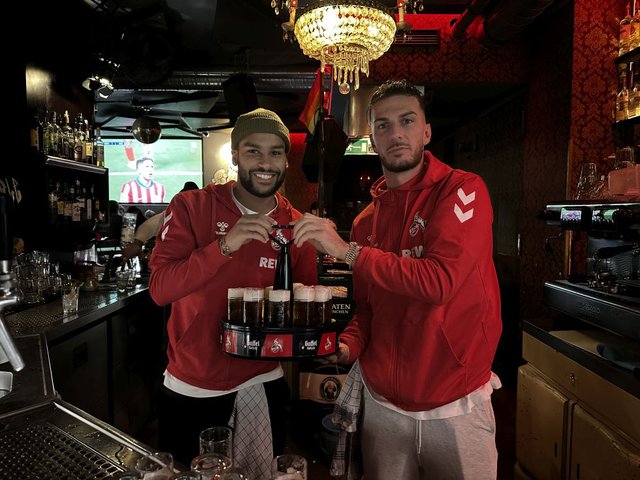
[(80, 370), (599, 452), (540, 444), (571, 423)]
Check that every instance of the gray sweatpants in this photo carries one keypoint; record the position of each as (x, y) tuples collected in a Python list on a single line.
[(398, 447)]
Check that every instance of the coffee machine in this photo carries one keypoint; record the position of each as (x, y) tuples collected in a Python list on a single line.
[(608, 296)]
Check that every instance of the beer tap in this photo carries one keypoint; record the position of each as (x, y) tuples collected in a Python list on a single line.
[(9, 294)]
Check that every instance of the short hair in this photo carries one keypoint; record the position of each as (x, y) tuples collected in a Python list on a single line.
[(396, 87), (142, 159)]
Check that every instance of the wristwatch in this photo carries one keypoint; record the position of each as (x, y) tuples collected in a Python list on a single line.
[(352, 254), (224, 248)]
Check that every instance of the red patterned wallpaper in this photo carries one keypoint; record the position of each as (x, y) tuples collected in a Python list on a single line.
[(459, 60), (594, 83)]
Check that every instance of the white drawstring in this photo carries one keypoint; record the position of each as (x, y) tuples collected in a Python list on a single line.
[(419, 433)]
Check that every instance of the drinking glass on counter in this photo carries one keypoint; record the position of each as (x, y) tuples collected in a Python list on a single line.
[(289, 467), (218, 439), (70, 293), (158, 466), (122, 280), (210, 466)]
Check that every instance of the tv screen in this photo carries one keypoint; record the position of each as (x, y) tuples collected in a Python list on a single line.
[(151, 173)]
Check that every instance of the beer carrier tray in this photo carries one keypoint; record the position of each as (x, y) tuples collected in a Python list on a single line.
[(268, 343)]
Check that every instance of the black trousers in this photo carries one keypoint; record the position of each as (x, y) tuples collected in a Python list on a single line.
[(182, 418)]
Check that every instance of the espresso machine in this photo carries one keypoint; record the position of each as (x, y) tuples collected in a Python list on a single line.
[(608, 296)]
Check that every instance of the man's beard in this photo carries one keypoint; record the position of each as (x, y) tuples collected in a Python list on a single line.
[(397, 166), (246, 180)]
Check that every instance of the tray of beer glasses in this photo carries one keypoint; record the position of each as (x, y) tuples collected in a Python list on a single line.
[(266, 324)]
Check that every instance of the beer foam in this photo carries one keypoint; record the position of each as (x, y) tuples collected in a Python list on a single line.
[(252, 294), (279, 295), (304, 294), (235, 292), (322, 293), (297, 285)]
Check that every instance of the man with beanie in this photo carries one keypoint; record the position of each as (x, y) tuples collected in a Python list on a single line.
[(211, 240)]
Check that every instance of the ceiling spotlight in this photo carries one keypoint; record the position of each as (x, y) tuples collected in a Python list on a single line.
[(102, 80)]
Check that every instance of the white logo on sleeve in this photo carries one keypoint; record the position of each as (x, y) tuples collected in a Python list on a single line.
[(466, 200)]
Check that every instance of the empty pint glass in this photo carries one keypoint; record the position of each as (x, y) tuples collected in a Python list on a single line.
[(303, 311), (253, 305), (235, 299), (323, 305), (279, 308)]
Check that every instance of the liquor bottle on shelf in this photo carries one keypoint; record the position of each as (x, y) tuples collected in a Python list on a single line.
[(78, 139), (53, 202), (622, 98), (98, 149), (36, 139), (634, 91), (67, 137), (634, 31), (69, 194), (78, 203), (625, 32), (88, 144)]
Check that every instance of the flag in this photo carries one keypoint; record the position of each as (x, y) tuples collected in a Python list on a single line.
[(311, 112)]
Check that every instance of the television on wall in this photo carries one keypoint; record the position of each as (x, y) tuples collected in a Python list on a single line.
[(151, 173)]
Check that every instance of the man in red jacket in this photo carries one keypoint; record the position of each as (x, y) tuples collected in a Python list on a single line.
[(427, 318), (211, 240)]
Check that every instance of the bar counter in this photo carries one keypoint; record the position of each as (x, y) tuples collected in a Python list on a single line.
[(93, 307), (107, 359)]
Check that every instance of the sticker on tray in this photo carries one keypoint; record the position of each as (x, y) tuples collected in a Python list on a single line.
[(277, 346), (327, 343)]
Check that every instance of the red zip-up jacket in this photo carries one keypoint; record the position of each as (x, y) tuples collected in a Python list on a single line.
[(427, 319), (188, 271)]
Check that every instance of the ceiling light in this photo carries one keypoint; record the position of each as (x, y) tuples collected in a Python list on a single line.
[(102, 79), (346, 34)]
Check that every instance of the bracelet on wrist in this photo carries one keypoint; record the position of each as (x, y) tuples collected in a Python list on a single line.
[(352, 254), (224, 248)]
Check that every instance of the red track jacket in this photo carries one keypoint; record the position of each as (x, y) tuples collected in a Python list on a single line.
[(188, 271), (427, 319)]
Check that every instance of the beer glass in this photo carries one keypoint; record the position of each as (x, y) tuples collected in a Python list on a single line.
[(303, 306), (253, 305), (279, 308), (323, 305), (235, 297)]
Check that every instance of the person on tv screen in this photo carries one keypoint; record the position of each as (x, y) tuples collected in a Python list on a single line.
[(143, 188)]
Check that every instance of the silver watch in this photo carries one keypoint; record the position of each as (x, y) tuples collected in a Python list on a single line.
[(352, 254)]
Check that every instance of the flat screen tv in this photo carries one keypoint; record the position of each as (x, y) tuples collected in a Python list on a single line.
[(133, 178)]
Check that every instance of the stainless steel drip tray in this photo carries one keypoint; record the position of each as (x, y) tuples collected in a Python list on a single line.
[(58, 441)]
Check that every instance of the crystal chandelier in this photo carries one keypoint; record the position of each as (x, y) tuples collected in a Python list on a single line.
[(346, 34)]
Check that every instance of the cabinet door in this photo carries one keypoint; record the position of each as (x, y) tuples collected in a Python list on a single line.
[(79, 366), (598, 452), (541, 421)]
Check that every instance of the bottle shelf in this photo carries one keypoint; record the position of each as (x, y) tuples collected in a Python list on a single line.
[(73, 165), (630, 56), (628, 121)]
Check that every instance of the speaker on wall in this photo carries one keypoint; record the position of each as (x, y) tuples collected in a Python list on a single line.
[(240, 95), (335, 142)]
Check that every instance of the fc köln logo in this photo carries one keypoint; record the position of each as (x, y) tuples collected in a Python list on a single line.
[(280, 236), (418, 224), (222, 227)]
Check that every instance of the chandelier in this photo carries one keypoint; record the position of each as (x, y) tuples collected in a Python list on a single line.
[(345, 34)]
